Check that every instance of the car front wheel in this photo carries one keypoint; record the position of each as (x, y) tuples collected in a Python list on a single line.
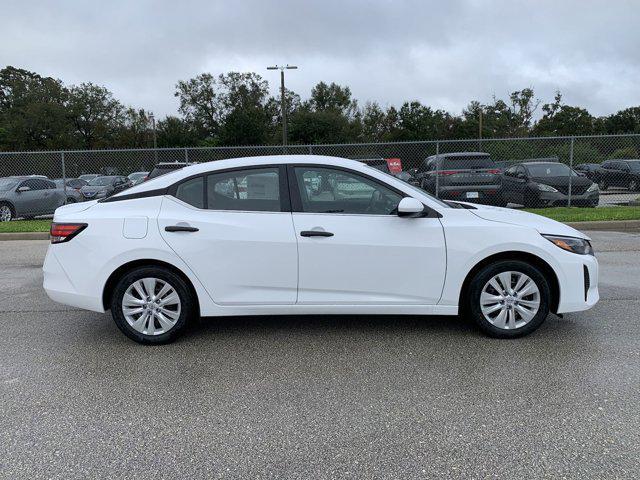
[(6, 212), (508, 299), (151, 305)]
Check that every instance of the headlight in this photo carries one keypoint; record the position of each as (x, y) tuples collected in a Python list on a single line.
[(593, 188), (546, 188), (571, 244)]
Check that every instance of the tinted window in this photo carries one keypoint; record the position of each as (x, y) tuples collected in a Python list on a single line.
[(256, 190), (192, 192), (470, 162), (550, 170), (34, 184), (325, 190)]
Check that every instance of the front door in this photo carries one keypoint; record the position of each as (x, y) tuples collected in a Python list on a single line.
[(234, 230), (354, 249)]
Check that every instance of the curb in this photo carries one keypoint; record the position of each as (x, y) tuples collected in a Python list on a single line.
[(24, 236), (608, 225)]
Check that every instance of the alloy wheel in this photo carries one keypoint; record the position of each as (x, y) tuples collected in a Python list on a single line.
[(5, 213), (151, 306), (510, 300)]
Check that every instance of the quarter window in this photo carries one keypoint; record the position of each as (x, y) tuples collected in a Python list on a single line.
[(192, 192), (255, 190), (326, 190)]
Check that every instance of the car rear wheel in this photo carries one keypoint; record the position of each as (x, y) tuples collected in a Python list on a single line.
[(6, 212), (151, 305), (508, 299)]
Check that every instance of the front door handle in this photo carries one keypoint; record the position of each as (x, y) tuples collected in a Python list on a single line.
[(315, 233), (180, 228)]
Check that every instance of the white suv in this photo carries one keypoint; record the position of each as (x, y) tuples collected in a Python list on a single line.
[(309, 235)]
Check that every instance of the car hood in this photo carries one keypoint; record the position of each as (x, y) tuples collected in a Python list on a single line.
[(563, 181), (524, 219)]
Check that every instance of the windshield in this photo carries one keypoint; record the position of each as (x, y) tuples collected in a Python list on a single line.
[(635, 166), (550, 170), (101, 181), (7, 184), (135, 176)]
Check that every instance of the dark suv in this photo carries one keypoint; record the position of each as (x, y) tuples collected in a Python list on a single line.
[(467, 176), (619, 173)]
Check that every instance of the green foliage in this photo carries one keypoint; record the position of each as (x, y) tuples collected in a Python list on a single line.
[(577, 214), (236, 108), (627, 152)]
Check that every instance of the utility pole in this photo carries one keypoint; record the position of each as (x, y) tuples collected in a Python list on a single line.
[(283, 100), (155, 138)]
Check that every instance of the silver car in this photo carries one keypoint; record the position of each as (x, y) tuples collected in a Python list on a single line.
[(28, 196)]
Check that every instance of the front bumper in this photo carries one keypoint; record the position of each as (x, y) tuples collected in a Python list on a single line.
[(579, 288), (559, 199)]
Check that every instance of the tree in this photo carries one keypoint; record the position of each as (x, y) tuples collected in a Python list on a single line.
[(563, 120), (332, 98), (624, 121), (95, 115), (240, 98), (32, 111), (175, 132)]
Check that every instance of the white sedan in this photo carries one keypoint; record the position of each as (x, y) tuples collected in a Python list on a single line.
[(309, 234)]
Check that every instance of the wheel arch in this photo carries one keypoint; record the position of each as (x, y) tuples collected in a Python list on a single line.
[(10, 204), (545, 268), (127, 267)]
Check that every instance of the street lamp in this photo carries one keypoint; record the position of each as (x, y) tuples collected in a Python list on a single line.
[(283, 101), (155, 138)]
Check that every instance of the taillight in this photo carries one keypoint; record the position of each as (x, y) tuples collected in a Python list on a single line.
[(495, 171), (63, 232), (448, 172)]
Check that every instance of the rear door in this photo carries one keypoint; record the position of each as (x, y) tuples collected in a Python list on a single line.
[(234, 230), (353, 248)]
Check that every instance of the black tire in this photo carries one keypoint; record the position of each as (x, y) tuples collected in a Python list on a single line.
[(10, 212), (71, 200), (471, 302), (187, 301)]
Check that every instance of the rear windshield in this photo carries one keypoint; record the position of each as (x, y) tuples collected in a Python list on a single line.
[(465, 163), (7, 183), (164, 169)]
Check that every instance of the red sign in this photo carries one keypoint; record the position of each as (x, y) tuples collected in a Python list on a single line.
[(394, 164)]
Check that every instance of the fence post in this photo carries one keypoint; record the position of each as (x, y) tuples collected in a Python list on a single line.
[(186, 155), (64, 178), (437, 169), (570, 168), (310, 150)]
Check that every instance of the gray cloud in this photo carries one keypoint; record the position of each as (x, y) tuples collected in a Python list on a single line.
[(442, 53)]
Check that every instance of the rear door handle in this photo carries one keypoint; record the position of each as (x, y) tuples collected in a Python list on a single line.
[(315, 233), (180, 228)]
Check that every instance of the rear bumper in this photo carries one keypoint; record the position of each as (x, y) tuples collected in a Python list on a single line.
[(59, 287), (470, 193)]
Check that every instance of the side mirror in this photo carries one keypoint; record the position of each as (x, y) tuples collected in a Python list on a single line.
[(410, 207), (23, 189)]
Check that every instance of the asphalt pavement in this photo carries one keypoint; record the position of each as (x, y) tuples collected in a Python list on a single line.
[(320, 397)]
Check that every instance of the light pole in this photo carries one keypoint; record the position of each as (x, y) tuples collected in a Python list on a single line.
[(283, 101), (155, 138)]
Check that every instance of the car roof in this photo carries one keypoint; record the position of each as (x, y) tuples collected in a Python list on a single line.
[(463, 154), (198, 168), (540, 163)]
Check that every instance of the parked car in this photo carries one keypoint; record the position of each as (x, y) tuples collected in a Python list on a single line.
[(192, 243), (137, 177), (470, 176), (546, 184), (28, 196), (163, 168), (589, 170), (73, 188), (620, 173), (102, 187), (87, 177)]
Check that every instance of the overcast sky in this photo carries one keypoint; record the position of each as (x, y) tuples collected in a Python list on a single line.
[(443, 53)]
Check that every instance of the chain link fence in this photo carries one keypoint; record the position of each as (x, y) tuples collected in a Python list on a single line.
[(532, 172)]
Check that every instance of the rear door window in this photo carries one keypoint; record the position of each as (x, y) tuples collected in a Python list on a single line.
[(251, 190)]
